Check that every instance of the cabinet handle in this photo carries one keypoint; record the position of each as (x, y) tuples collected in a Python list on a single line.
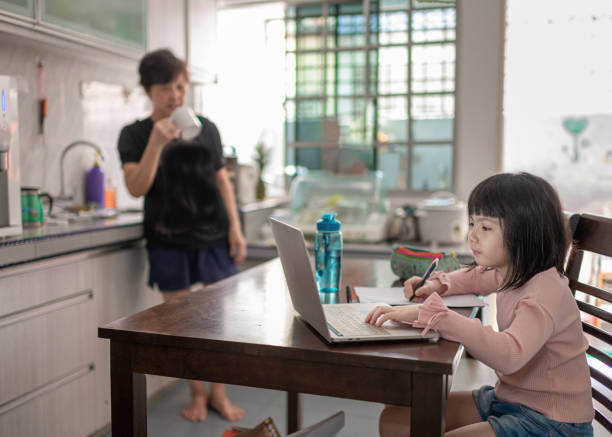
[(46, 388), (47, 307)]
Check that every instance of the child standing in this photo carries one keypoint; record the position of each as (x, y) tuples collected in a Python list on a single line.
[(519, 237)]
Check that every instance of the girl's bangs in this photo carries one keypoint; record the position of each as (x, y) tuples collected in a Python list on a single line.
[(486, 200)]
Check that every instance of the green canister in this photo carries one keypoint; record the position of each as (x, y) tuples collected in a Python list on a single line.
[(31, 206)]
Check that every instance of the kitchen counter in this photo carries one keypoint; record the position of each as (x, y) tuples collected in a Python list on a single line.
[(382, 250), (57, 239)]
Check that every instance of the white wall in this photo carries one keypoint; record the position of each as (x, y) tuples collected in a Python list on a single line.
[(67, 66)]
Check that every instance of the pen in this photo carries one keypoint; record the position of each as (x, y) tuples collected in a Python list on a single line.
[(426, 276)]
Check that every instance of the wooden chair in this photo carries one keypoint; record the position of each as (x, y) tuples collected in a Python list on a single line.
[(593, 234)]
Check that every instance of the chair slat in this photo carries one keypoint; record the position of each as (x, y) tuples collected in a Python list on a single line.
[(603, 420), (593, 234), (599, 376), (602, 399), (590, 290), (594, 311), (600, 355), (597, 332)]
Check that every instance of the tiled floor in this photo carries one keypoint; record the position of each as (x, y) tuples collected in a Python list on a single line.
[(164, 411)]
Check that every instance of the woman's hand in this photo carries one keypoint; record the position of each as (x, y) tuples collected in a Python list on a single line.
[(163, 132), (429, 287), (238, 249), (380, 314)]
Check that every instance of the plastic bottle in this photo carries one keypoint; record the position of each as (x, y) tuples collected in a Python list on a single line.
[(110, 195), (94, 185), (328, 257)]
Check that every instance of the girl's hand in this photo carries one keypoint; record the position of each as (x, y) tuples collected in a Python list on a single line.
[(429, 287), (381, 314), (163, 132)]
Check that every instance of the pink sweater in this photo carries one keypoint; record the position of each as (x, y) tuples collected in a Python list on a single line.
[(539, 353)]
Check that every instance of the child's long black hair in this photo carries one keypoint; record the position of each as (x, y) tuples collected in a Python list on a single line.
[(535, 230)]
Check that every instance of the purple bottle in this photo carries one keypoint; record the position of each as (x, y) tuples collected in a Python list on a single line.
[(94, 184)]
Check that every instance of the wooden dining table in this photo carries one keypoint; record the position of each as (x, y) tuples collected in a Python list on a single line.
[(243, 330)]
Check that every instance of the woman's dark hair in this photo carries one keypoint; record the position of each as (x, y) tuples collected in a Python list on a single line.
[(535, 230), (160, 67)]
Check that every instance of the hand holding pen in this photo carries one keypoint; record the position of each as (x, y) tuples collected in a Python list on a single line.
[(420, 281)]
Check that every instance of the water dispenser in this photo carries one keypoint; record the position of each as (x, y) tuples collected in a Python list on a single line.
[(10, 196)]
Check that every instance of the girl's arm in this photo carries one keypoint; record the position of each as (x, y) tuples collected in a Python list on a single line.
[(236, 239), (506, 351), (465, 281)]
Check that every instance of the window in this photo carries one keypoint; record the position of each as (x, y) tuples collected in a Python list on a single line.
[(371, 85)]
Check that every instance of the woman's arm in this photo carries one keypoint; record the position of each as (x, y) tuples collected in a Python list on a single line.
[(236, 239), (140, 176)]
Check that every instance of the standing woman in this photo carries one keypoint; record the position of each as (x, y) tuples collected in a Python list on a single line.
[(210, 247)]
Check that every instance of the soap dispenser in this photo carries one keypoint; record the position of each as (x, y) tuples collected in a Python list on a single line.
[(94, 184)]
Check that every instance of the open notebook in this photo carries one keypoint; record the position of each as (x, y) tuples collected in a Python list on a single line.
[(395, 296), (335, 322)]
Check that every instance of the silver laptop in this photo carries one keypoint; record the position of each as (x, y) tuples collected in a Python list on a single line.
[(335, 322)]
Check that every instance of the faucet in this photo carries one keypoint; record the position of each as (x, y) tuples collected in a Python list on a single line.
[(62, 194)]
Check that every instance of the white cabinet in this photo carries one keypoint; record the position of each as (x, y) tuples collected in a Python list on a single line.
[(46, 349), (54, 371), (120, 278)]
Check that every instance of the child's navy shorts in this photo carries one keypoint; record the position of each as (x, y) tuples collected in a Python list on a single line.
[(177, 269), (515, 420)]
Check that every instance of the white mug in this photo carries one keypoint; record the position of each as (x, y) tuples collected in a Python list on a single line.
[(187, 122)]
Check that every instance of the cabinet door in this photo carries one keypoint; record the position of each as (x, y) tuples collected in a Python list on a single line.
[(47, 349), (19, 7), (65, 411), (118, 21), (120, 283)]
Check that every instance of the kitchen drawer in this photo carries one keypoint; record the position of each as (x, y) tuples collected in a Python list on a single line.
[(26, 287), (44, 343), (64, 409)]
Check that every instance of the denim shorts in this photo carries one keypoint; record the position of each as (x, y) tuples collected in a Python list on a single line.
[(515, 420), (178, 269)]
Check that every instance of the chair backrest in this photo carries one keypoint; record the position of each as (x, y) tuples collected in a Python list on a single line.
[(593, 234)]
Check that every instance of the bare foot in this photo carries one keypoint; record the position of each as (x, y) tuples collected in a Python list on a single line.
[(196, 412), (226, 409)]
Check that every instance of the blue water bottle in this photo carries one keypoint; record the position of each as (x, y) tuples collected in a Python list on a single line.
[(328, 257)]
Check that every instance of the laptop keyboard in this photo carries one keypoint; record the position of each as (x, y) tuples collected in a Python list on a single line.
[(349, 322)]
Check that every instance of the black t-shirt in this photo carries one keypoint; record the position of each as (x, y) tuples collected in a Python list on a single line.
[(160, 200)]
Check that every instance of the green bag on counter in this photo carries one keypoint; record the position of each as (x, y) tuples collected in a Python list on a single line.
[(407, 261)]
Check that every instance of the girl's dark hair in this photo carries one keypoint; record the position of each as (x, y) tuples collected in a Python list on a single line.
[(160, 67), (535, 230)]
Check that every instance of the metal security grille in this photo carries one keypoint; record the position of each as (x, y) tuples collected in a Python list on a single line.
[(372, 86)]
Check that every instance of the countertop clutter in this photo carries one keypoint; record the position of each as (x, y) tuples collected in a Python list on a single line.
[(60, 238)]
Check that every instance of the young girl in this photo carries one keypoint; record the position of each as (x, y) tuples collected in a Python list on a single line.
[(519, 238)]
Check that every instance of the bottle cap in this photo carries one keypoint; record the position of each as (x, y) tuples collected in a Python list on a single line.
[(328, 222)]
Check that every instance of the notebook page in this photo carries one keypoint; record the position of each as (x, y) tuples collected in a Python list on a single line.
[(395, 296)]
